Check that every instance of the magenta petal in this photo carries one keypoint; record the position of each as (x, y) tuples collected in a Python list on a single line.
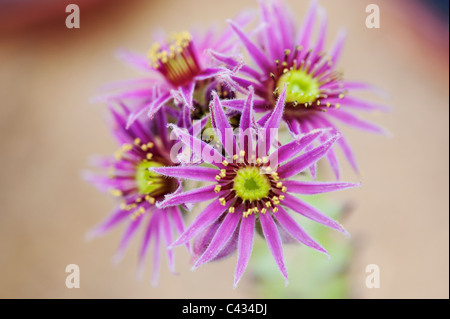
[(293, 148), (178, 223), (150, 233), (336, 50), (331, 154), (356, 122), (222, 125), (233, 64), (306, 31), (199, 147), (202, 240), (272, 40), (320, 44), (358, 104), (343, 145), (229, 248), (305, 160), (220, 238), (136, 114), (346, 149), (185, 95), (194, 196), (355, 86), (245, 245), (129, 233), (285, 25), (206, 218), (312, 213), (156, 105), (156, 255), (166, 229), (296, 231), (259, 56), (245, 83), (273, 241), (210, 73), (275, 118), (312, 188), (247, 119), (115, 218), (203, 174), (140, 62)]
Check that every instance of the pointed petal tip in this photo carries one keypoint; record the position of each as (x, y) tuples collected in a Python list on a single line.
[(91, 235), (117, 258), (140, 272)]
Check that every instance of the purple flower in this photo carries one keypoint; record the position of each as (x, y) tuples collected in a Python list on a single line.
[(181, 74), (317, 95), (143, 145), (251, 186)]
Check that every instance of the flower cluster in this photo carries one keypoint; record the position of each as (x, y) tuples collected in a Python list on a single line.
[(251, 176)]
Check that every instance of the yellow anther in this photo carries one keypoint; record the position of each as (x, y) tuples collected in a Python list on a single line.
[(235, 157), (150, 144), (223, 172), (151, 200), (281, 197), (222, 201), (284, 189), (279, 184), (225, 163), (217, 188), (127, 147), (275, 209), (338, 105), (242, 153), (265, 160), (268, 204), (328, 104), (263, 211), (149, 156), (218, 177), (138, 200), (144, 147), (341, 96), (231, 210), (137, 141), (116, 192)]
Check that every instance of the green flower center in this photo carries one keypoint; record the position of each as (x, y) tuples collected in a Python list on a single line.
[(301, 86), (250, 184), (148, 182)]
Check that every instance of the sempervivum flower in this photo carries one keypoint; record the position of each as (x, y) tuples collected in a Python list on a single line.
[(180, 73), (317, 94), (250, 186), (142, 146)]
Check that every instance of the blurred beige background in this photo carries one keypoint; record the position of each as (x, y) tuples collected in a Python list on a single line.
[(49, 128)]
